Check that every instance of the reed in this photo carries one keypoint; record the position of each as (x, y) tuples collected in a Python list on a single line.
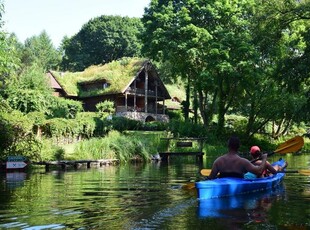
[(117, 146)]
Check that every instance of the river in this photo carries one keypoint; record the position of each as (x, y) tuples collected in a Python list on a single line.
[(146, 196)]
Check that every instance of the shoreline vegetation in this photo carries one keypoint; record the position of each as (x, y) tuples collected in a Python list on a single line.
[(95, 135), (142, 146), (91, 136)]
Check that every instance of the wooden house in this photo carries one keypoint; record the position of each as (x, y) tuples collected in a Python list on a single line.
[(132, 84)]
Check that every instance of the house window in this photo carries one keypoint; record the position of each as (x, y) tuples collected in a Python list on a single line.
[(105, 85)]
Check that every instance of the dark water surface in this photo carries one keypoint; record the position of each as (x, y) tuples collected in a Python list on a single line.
[(146, 196)]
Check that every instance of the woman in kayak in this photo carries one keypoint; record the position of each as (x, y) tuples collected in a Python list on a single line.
[(232, 165), (269, 169)]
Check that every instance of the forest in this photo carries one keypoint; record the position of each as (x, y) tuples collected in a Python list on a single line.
[(244, 67)]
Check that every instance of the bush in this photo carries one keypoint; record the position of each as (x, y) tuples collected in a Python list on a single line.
[(121, 124), (186, 129), (50, 151), (64, 108), (154, 126), (106, 107), (16, 136)]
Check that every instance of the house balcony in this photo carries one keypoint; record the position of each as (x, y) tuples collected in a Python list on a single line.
[(141, 92)]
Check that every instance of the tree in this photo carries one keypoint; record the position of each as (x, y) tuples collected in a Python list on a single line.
[(9, 60), (208, 44), (39, 50), (102, 40), (29, 91), (235, 56), (279, 95)]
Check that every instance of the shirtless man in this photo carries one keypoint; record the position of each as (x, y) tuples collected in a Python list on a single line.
[(232, 165)]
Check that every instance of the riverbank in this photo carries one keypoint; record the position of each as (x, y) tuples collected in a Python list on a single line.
[(144, 145)]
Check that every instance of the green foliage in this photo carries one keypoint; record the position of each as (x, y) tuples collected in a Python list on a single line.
[(243, 57), (40, 51), (4, 105), (102, 40), (50, 151), (64, 108), (115, 145), (89, 123), (60, 154), (61, 128), (154, 126), (175, 115), (29, 91), (84, 125), (16, 136), (106, 107), (9, 58), (121, 124), (186, 129), (37, 118)]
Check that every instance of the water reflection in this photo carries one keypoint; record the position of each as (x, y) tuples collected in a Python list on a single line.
[(15, 179), (254, 205), (142, 196)]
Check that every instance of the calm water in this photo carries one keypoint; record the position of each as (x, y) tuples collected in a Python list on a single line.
[(146, 196)]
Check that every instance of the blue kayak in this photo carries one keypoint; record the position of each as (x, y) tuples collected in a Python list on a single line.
[(230, 186)]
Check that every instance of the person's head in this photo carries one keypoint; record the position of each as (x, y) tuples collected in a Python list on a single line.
[(233, 143), (255, 151)]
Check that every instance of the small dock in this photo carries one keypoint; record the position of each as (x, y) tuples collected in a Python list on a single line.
[(186, 144), (76, 164)]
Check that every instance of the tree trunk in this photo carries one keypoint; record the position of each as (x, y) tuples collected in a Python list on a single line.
[(195, 107), (187, 101)]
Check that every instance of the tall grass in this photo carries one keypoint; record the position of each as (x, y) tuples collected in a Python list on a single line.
[(117, 146)]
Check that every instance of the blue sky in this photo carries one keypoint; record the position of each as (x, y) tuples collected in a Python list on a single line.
[(62, 17)]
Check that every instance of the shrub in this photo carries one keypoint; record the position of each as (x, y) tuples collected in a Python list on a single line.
[(64, 108), (121, 124), (17, 137), (106, 107), (186, 129)]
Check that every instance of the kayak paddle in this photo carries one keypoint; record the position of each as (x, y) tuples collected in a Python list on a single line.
[(290, 146)]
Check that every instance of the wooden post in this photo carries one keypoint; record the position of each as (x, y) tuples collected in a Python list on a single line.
[(156, 97), (135, 96), (164, 112), (126, 102), (146, 88)]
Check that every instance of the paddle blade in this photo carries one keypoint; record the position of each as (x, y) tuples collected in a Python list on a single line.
[(205, 172), (290, 146), (189, 186)]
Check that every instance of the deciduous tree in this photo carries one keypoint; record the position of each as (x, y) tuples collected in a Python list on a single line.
[(102, 40)]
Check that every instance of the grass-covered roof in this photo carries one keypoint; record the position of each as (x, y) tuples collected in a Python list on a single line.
[(117, 73)]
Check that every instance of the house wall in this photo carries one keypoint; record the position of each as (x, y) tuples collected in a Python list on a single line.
[(143, 116), (89, 104)]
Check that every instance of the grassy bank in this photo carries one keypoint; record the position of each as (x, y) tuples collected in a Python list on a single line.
[(142, 145)]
